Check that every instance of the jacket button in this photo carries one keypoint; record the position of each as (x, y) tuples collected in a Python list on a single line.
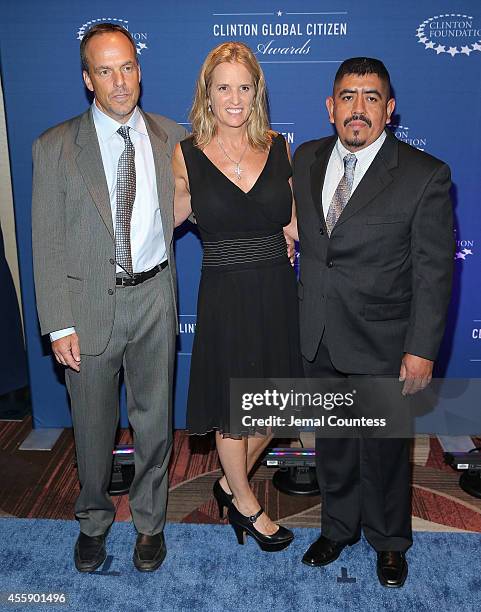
[(110, 292), (330, 264), (112, 261), (321, 231)]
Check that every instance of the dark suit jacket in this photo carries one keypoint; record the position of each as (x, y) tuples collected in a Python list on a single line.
[(72, 228), (380, 285)]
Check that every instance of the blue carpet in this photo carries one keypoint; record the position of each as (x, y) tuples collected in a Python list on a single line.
[(206, 569)]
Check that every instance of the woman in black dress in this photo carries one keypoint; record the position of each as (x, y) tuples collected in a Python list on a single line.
[(234, 175)]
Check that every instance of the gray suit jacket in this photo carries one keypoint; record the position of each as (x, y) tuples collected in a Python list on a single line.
[(380, 285), (72, 229)]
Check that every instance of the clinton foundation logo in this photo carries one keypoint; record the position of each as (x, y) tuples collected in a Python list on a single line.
[(464, 249), (285, 37), (402, 132), (140, 38), (452, 33)]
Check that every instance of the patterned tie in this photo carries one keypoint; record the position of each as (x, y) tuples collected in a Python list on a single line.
[(125, 202), (342, 193)]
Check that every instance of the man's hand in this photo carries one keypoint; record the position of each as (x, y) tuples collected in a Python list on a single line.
[(67, 351), (416, 373)]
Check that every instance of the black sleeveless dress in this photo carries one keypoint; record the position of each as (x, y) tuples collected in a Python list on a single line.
[(247, 313)]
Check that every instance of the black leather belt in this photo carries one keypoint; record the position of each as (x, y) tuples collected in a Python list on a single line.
[(123, 280)]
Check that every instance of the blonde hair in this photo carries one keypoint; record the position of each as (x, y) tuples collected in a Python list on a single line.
[(259, 134)]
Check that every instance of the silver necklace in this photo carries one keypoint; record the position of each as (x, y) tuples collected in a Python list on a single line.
[(237, 170)]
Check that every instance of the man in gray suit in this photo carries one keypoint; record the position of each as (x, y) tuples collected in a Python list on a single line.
[(105, 283), (376, 239)]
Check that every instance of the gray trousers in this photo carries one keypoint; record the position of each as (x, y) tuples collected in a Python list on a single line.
[(143, 342)]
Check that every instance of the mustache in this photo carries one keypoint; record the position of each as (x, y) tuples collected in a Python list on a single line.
[(120, 90), (358, 117)]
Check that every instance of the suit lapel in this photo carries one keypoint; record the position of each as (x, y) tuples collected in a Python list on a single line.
[(89, 162), (318, 174), (375, 180), (163, 173)]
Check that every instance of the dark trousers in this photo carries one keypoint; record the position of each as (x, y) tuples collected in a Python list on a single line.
[(365, 483)]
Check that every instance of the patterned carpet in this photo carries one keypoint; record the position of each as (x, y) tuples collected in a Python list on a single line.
[(39, 484)]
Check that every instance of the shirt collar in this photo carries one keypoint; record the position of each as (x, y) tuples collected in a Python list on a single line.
[(365, 155), (106, 127)]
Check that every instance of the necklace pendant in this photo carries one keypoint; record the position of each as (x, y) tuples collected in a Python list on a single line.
[(238, 172)]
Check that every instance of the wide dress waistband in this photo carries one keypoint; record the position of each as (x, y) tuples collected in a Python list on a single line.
[(240, 251)]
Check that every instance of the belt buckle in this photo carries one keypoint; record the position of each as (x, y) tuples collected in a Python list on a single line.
[(127, 282)]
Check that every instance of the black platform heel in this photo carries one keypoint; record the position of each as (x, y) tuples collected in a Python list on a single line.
[(223, 499), (244, 525)]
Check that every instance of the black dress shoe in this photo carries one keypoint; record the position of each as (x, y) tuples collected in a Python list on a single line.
[(223, 499), (149, 552), (324, 551), (392, 568), (89, 552), (243, 525)]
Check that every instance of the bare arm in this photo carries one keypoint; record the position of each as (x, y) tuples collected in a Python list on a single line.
[(182, 206), (290, 231)]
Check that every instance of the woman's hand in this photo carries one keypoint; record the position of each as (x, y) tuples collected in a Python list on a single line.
[(291, 246)]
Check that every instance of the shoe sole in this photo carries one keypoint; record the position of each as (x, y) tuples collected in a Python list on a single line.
[(151, 568), (274, 547)]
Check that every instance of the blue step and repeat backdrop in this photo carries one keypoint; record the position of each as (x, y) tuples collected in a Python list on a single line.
[(432, 50)]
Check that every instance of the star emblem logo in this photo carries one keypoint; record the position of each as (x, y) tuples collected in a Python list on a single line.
[(463, 254), (443, 24), (124, 23)]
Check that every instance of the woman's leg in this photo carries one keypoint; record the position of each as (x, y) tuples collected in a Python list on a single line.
[(236, 461), (255, 447)]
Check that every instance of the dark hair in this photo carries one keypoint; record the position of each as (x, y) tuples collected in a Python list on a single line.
[(102, 28), (362, 66)]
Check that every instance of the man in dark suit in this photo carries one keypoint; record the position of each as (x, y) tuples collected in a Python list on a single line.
[(376, 241), (102, 215)]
